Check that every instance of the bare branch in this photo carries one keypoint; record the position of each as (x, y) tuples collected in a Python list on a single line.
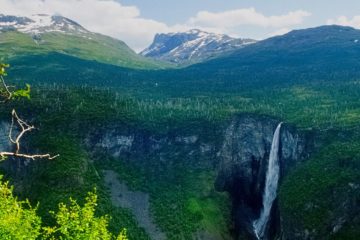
[(24, 127), (8, 94), (33, 157)]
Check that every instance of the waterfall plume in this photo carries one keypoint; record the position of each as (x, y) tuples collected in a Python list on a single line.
[(271, 184)]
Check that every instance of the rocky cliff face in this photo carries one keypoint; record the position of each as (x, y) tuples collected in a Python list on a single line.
[(155, 149), (240, 156), (238, 150), (243, 163)]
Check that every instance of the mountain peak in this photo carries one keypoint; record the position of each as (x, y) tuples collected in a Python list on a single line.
[(196, 31), (40, 23), (327, 34), (193, 45)]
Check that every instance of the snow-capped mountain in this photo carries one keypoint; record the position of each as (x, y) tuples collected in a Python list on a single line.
[(192, 46), (44, 34), (40, 23)]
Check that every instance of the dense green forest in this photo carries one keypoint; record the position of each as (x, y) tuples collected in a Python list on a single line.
[(65, 113)]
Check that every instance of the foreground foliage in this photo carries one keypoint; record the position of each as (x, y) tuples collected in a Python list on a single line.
[(18, 220)]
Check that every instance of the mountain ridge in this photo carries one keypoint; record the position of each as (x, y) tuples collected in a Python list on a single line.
[(192, 46)]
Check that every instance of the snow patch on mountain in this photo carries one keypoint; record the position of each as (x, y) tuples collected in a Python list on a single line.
[(40, 23), (192, 46)]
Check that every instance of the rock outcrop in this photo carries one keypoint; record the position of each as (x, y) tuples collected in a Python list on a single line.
[(131, 144)]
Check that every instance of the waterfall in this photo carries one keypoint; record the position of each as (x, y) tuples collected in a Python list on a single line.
[(271, 184)]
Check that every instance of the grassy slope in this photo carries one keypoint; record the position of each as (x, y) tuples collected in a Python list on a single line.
[(90, 47)]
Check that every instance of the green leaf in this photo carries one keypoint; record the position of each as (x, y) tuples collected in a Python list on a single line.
[(22, 93)]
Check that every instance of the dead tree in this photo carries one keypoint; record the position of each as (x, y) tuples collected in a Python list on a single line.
[(6, 94), (16, 140)]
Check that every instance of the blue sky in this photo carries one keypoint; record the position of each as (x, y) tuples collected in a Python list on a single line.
[(175, 11), (137, 21), (321, 11)]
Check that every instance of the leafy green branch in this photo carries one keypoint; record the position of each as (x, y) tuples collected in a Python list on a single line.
[(19, 220)]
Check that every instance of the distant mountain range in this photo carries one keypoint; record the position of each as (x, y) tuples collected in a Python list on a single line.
[(316, 54), (326, 53), (43, 33), (192, 46)]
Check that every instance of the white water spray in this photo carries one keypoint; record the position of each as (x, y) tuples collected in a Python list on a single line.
[(271, 184)]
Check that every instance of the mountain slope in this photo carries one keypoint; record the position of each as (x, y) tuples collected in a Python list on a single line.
[(42, 34), (329, 53), (322, 53), (192, 46)]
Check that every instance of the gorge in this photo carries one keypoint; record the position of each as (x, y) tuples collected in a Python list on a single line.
[(239, 152)]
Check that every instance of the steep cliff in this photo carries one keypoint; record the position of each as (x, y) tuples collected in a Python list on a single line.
[(236, 151), (243, 162), (156, 149)]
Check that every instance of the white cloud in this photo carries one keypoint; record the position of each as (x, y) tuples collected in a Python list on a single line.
[(234, 22), (345, 21), (247, 16), (112, 18)]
